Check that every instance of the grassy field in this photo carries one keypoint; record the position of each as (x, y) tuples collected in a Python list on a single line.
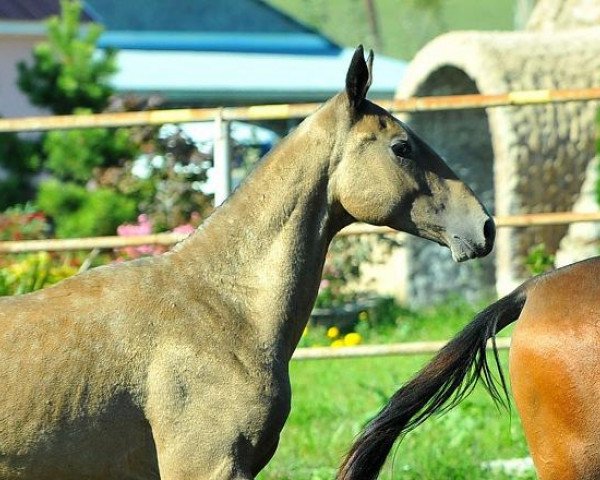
[(332, 399)]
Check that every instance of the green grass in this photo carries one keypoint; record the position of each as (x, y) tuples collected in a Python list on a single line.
[(333, 399), (392, 323)]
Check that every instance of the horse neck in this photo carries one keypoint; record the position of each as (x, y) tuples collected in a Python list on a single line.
[(264, 249)]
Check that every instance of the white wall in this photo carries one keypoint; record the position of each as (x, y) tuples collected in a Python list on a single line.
[(14, 48)]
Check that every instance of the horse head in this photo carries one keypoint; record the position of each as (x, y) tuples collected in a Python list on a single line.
[(386, 175)]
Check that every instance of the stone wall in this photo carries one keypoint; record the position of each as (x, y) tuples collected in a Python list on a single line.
[(552, 15), (582, 239)]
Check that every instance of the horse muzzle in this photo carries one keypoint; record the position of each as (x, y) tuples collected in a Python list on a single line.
[(477, 243)]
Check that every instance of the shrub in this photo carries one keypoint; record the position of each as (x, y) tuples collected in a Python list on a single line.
[(539, 260), (93, 168), (33, 271), (18, 161), (73, 155), (145, 226), (78, 212), (23, 222)]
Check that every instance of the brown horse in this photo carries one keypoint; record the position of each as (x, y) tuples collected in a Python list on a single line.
[(176, 366), (554, 373)]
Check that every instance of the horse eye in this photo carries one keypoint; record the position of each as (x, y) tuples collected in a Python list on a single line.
[(402, 149)]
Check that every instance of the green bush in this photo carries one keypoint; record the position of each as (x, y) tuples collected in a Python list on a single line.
[(68, 75), (33, 271), (13, 190), (73, 155), (94, 188), (78, 212), (539, 260), (18, 161), (23, 222)]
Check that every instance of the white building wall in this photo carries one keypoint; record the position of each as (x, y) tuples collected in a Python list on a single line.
[(13, 49)]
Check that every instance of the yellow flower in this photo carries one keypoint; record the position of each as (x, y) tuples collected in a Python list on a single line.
[(363, 316), (333, 332), (18, 269), (337, 343), (61, 272), (352, 339)]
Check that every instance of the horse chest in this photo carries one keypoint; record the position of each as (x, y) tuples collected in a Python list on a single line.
[(225, 401)]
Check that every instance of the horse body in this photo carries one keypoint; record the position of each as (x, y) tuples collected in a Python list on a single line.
[(72, 382), (103, 393), (554, 373), (176, 366)]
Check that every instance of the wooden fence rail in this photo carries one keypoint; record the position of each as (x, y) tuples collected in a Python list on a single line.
[(73, 244), (287, 111), (409, 348)]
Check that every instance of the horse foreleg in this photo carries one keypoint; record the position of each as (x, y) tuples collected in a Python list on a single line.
[(187, 457), (263, 460)]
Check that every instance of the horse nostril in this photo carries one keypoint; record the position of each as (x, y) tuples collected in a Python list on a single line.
[(489, 230)]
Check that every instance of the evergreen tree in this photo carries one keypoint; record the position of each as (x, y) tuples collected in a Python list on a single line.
[(94, 189), (67, 73), (69, 76)]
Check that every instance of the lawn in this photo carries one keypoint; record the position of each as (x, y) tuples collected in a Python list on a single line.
[(332, 399)]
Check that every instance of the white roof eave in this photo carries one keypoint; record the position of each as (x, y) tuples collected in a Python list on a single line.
[(272, 75)]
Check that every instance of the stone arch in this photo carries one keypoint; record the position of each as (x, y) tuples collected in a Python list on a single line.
[(461, 136), (518, 159)]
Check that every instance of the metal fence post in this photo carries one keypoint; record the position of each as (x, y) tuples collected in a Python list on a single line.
[(222, 159)]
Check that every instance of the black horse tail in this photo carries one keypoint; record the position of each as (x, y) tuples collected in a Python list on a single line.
[(438, 387)]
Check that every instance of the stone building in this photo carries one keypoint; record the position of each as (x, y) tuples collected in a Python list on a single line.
[(524, 159)]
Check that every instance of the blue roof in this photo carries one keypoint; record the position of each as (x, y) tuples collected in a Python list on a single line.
[(222, 16), (250, 26), (226, 52), (290, 43)]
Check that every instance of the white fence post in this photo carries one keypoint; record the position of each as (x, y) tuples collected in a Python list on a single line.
[(222, 159)]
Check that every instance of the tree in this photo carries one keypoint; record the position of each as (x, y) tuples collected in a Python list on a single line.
[(94, 187), (67, 72), (69, 76)]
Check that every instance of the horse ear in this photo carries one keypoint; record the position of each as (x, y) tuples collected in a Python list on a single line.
[(359, 77)]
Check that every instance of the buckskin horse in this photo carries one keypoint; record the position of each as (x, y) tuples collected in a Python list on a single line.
[(554, 374), (176, 366)]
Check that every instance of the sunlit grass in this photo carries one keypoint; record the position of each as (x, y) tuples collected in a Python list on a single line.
[(332, 400)]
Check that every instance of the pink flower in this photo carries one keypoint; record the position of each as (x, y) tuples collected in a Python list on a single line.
[(185, 229), (143, 227)]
